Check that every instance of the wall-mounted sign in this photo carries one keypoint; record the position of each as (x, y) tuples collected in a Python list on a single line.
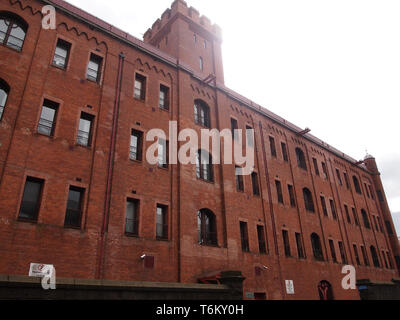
[(289, 287), (40, 270)]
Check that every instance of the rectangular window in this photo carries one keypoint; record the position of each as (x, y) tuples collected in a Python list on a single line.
[(346, 179), (371, 192), (132, 217), (339, 177), (300, 250), (367, 190), (365, 256), (250, 136), (286, 243), (254, 181), (234, 128), (389, 228), (333, 251), (316, 166), (342, 253), (333, 208), (84, 137), (163, 151), (201, 63), (279, 191), (244, 237), (380, 223), (47, 121), (376, 223), (356, 254), (135, 152), (284, 152), (380, 195), (324, 170), (355, 216), (239, 179), (272, 146), (164, 97), (94, 68), (162, 222), (61, 54), (140, 87), (323, 204), (261, 239), (73, 216), (346, 209), (31, 199), (384, 259), (291, 196)]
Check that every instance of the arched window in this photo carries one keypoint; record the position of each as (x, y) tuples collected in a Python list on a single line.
[(301, 159), (365, 219), (325, 290), (204, 168), (207, 227), (4, 91), (12, 30), (308, 200), (375, 258), (201, 113), (316, 245), (356, 185)]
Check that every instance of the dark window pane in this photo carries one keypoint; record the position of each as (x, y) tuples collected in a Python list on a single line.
[(31, 199), (261, 239), (272, 146), (73, 215), (164, 97), (284, 152), (244, 237), (161, 222), (333, 251), (132, 217), (136, 145)]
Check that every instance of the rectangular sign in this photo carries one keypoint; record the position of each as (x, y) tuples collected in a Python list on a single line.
[(40, 270), (289, 287)]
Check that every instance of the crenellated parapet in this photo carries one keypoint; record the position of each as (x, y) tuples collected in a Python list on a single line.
[(180, 7)]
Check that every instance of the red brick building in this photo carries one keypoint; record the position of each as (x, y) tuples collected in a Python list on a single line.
[(76, 191)]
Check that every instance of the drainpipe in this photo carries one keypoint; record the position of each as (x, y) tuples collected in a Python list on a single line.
[(110, 169)]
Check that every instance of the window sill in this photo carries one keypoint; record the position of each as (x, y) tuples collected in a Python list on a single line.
[(209, 245), (130, 235), (162, 239), (163, 168), (27, 220), (44, 135), (201, 125), (139, 99), (204, 180), (164, 110), (11, 48), (136, 161), (82, 146), (59, 68), (72, 227), (93, 81)]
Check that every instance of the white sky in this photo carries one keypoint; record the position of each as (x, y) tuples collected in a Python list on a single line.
[(330, 65)]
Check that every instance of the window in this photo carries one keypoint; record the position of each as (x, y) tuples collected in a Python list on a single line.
[(272, 146), (4, 91), (244, 236), (132, 217), (286, 242), (84, 137), (371, 192), (164, 97), (195, 38), (389, 227), (374, 256), (316, 245), (380, 195), (346, 179), (94, 68), (234, 128), (356, 185), (380, 223), (376, 223), (48, 116), (12, 30), (284, 152), (73, 216), (140, 87), (61, 55), (389, 260), (202, 113), (291, 196), (365, 219), (31, 199), (346, 209), (201, 63), (207, 227), (261, 239), (323, 204), (163, 153), (316, 166), (384, 259), (356, 254), (339, 177), (205, 44), (254, 181), (162, 222), (365, 256), (342, 252), (308, 200), (333, 251), (135, 151), (301, 159), (299, 243), (239, 179), (250, 136), (204, 169), (366, 189), (355, 216), (324, 170), (279, 191), (333, 208)]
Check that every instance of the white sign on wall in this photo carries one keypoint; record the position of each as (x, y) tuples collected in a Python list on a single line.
[(40, 270), (289, 287)]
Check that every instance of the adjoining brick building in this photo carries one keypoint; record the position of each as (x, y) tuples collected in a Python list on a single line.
[(76, 192)]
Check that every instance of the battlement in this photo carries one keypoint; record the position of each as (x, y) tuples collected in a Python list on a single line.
[(181, 7)]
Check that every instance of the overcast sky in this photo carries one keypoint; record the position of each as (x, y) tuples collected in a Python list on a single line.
[(330, 65)]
